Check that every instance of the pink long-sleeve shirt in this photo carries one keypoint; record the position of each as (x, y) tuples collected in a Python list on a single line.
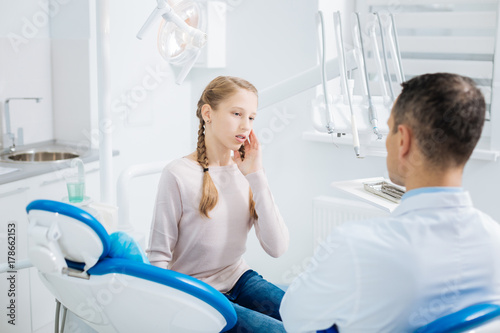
[(211, 249)]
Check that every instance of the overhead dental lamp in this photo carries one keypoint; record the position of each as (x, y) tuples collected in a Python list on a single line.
[(179, 39)]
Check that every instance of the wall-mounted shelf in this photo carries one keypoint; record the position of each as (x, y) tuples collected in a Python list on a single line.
[(356, 188)]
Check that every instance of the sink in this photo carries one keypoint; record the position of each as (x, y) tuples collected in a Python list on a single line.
[(39, 156)]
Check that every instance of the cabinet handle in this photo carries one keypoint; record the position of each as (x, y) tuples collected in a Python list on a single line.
[(47, 182), (18, 190), (91, 171)]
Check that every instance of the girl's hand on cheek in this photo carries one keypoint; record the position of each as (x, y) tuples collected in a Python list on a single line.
[(253, 156)]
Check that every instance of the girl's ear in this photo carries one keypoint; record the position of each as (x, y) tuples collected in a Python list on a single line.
[(206, 113)]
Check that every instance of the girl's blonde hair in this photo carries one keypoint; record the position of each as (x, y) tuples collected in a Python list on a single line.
[(216, 91)]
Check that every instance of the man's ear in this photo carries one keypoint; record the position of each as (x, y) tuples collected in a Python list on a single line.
[(206, 113), (405, 141)]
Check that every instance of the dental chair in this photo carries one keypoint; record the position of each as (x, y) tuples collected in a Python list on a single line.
[(108, 283), (465, 320)]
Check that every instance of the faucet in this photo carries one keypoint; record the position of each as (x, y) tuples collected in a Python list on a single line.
[(8, 133)]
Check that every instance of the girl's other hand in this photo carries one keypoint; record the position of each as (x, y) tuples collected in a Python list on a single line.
[(253, 156)]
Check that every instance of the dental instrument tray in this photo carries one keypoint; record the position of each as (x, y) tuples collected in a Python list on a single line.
[(385, 190)]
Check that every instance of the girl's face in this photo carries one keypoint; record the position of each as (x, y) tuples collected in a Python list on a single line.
[(232, 121)]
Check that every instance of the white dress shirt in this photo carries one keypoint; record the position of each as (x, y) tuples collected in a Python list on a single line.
[(434, 255)]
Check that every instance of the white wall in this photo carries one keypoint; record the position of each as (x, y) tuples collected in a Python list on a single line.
[(151, 114), (73, 54), (25, 66)]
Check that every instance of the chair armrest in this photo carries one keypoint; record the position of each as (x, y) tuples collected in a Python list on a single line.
[(465, 319)]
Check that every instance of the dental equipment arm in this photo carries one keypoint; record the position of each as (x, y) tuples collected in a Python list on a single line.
[(343, 80), (329, 117), (384, 51), (395, 46), (372, 28), (198, 38), (372, 113), (302, 81)]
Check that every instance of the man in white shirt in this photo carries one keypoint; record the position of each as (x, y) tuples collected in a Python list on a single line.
[(435, 254)]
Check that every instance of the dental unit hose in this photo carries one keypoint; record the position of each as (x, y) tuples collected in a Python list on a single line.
[(376, 53), (384, 52), (343, 79), (372, 113), (329, 118), (395, 45)]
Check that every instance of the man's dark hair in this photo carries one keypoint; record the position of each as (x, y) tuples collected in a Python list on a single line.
[(446, 114)]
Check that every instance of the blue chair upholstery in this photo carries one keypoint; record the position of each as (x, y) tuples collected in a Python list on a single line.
[(463, 320), (114, 273)]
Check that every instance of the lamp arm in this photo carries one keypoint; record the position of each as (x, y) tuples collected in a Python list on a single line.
[(152, 17), (198, 38)]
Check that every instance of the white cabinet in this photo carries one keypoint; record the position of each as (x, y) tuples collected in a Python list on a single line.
[(35, 305), (14, 287)]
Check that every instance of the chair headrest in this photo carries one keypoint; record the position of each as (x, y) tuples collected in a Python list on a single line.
[(81, 238)]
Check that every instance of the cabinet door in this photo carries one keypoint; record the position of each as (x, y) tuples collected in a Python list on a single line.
[(51, 186), (15, 313)]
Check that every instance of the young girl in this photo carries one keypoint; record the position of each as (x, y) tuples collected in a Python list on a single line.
[(208, 201)]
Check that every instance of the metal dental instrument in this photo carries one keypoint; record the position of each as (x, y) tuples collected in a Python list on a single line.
[(372, 113), (372, 28), (329, 117), (395, 45), (343, 79), (384, 53)]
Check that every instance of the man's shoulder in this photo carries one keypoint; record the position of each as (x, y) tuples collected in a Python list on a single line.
[(394, 225), (488, 221), (369, 223), (368, 227)]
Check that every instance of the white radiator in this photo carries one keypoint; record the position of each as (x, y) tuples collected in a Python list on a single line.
[(329, 212)]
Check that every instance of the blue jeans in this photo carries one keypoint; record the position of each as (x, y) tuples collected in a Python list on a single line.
[(257, 304)]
